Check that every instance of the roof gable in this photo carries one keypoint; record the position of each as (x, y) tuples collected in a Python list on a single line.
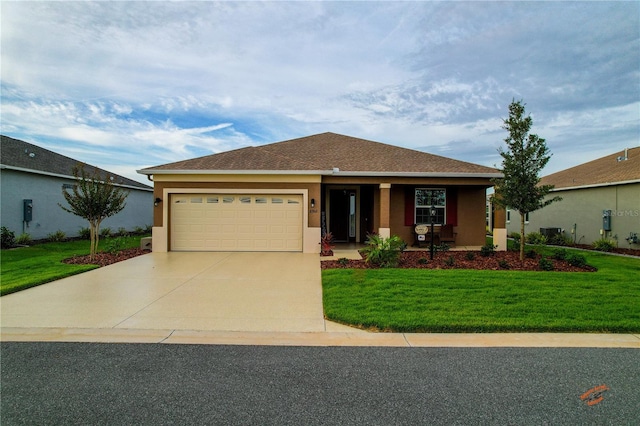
[(25, 156), (325, 152), (602, 171)]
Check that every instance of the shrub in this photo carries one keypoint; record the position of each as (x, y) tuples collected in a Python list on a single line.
[(604, 245), (84, 233), (503, 264), (535, 238), (326, 244), (530, 253), (56, 237), (470, 255), (7, 237), (515, 236), (560, 254), (138, 230), (123, 232), (451, 261), (23, 239), (442, 247), (343, 261), (105, 232), (115, 245), (423, 261), (545, 264), (384, 252), (560, 240), (576, 259), (488, 250)]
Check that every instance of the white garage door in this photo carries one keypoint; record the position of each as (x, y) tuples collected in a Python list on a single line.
[(236, 222)]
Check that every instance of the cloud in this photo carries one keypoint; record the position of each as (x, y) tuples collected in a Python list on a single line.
[(162, 81)]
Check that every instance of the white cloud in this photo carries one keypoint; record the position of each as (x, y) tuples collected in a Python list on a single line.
[(161, 81)]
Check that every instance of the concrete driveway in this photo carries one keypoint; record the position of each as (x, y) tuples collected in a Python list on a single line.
[(180, 291)]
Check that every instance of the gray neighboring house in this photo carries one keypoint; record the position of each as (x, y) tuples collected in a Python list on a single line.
[(29, 172), (600, 199)]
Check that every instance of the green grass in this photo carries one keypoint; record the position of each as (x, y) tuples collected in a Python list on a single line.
[(27, 267), (406, 300)]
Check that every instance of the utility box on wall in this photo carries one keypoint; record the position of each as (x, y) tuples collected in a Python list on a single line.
[(606, 220), (27, 209)]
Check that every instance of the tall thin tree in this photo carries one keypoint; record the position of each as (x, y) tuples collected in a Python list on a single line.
[(95, 198), (524, 157)]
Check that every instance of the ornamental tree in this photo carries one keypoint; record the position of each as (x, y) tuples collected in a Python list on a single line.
[(522, 160), (94, 198)]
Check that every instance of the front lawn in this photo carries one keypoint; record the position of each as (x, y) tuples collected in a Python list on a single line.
[(26, 267), (411, 300)]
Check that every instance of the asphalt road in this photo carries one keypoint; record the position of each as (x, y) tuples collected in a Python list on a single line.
[(113, 384)]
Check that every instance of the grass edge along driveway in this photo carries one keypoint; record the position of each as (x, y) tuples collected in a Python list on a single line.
[(26, 267), (441, 301)]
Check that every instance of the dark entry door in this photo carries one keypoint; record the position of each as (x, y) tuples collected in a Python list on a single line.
[(339, 214)]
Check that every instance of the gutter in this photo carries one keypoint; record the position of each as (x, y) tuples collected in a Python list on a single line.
[(334, 172), (58, 175), (596, 185)]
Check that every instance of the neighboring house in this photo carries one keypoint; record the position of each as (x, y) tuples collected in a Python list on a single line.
[(33, 175), (282, 196), (600, 199)]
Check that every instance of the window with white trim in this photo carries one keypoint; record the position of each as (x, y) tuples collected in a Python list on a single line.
[(508, 216), (427, 197)]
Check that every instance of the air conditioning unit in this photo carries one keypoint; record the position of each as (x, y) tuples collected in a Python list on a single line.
[(550, 232)]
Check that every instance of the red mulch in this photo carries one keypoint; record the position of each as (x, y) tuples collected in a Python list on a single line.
[(441, 260), (104, 259)]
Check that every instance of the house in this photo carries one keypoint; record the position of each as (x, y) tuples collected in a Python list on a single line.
[(31, 183), (600, 199), (283, 196)]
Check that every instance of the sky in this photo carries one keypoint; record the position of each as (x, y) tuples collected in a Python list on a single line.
[(128, 85)]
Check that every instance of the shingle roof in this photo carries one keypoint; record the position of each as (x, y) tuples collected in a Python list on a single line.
[(15, 153), (325, 152), (605, 170)]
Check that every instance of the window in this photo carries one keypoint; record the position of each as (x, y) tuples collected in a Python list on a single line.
[(508, 216), (196, 200), (425, 198), (212, 200), (228, 200), (245, 200), (526, 218), (276, 200), (261, 200)]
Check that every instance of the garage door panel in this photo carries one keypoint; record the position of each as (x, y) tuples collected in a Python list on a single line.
[(232, 222)]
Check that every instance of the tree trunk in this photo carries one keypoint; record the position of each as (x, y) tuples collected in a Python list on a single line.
[(522, 237), (94, 227)]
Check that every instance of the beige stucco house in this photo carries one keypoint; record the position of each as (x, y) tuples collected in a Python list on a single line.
[(283, 196), (607, 187)]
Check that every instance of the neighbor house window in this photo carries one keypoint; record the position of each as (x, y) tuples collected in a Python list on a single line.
[(425, 198), (526, 218), (508, 216)]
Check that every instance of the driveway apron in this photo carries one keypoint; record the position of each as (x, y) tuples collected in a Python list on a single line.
[(180, 291)]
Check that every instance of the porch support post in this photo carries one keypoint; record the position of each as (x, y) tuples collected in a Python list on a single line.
[(500, 229), (385, 209)]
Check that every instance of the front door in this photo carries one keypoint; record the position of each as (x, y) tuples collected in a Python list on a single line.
[(342, 214)]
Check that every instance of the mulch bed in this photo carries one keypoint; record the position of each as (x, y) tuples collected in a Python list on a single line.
[(500, 260), (104, 259)]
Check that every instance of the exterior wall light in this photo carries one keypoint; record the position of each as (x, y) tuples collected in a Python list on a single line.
[(157, 201), (313, 202)]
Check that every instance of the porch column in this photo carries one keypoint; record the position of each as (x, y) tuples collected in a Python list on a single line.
[(385, 205), (500, 229)]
